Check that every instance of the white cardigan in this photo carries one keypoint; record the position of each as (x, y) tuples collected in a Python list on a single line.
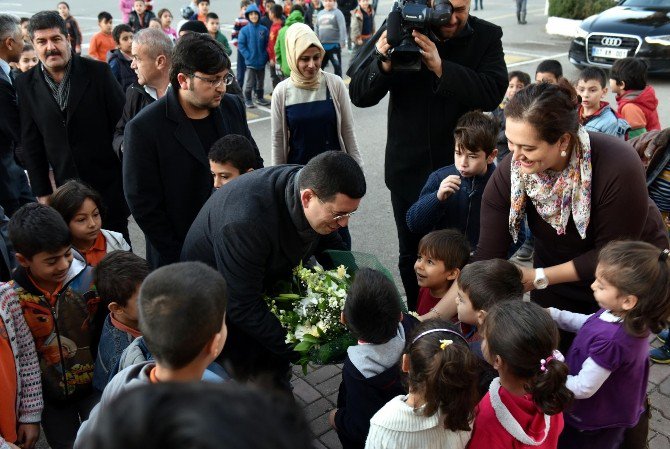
[(345, 119)]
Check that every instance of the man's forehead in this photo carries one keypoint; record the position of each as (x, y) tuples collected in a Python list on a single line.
[(48, 33)]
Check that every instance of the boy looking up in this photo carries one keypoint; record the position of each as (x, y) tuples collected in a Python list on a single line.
[(118, 277), (636, 100), (121, 58), (549, 71), (102, 42), (182, 310), (371, 373), (452, 195), (595, 114), (55, 289), (213, 28), (139, 17), (517, 81), (252, 44), (230, 156)]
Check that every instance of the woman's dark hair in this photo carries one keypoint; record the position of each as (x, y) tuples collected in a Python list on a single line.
[(445, 374), (200, 415), (632, 71), (548, 108), (642, 270), (68, 199), (45, 20), (197, 52), (522, 334), (333, 172)]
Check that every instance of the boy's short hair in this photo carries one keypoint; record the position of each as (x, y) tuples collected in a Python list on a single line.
[(476, 131), (212, 15), (447, 245), (234, 149), (245, 3), (202, 1), (593, 74), (277, 11), (121, 28), (372, 309), (550, 66), (181, 307), (104, 16), (118, 276), (487, 282), (23, 20), (521, 76), (36, 228), (632, 71)]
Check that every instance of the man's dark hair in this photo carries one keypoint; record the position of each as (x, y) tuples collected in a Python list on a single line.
[(234, 149), (46, 20), (193, 26), (490, 281), (521, 76), (372, 309), (550, 66), (118, 276), (197, 52), (212, 15), (447, 245), (476, 132), (593, 74), (277, 11), (68, 199), (36, 228), (333, 172), (121, 28), (632, 71), (104, 16), (181, 307)]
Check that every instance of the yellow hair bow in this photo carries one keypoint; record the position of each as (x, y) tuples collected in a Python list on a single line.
[(445, 343)]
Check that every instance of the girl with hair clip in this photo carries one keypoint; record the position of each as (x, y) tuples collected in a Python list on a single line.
[(608, 358), (524, 405), (438, 411)]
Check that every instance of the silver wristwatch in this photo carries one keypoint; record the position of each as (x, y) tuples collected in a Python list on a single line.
[(541, 280)]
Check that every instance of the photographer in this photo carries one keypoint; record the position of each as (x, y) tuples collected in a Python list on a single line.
[(462, 69)]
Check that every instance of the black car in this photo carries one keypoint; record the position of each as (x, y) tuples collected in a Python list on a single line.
[(638, 28)]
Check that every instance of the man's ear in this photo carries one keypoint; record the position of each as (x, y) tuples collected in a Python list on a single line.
[(404, 364), (161, 62), (22, 260), (305, 197), (183, 81), (629, 301), (453, 274), (491, 157)]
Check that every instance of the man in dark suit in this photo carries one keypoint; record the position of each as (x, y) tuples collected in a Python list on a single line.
[(166, 173), (69, 107), (14, 188)]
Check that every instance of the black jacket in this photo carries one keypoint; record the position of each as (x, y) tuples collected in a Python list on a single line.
[(136, 99), (423, 110), (121, 69), (10, 129), (134, 20), (77, 143), (166, 173), (254, 231)]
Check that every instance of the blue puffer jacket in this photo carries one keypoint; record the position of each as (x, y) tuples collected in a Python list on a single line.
[(606, 121), (253, 41)]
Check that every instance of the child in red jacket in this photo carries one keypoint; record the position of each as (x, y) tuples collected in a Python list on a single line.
[(636, 100)]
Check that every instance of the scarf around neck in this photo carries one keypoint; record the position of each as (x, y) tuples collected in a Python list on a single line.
[(299, 37), (556, 195)]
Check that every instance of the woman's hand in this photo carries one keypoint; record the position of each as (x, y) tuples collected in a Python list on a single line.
[(527, 278)]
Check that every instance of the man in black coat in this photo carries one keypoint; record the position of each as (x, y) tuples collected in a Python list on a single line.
[(69, 106), (463, 69), (166, 172), (255, 230)]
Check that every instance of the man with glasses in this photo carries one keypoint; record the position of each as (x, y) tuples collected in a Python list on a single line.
[(166, 173), (255, 230)]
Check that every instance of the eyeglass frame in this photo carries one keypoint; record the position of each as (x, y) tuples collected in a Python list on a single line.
[(336, 218), (217, 82)]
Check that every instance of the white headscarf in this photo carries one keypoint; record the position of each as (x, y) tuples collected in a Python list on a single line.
[(299, 37)]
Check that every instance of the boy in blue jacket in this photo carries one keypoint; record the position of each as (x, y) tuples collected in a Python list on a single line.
[(452, 195), (252, 43), (595, 114)]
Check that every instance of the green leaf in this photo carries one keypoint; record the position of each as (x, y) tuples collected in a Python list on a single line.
[(303, 346), (310, 338)]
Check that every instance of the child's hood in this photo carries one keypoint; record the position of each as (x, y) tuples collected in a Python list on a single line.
[(252, 8), (645, 97), (294, 17), (371, 359), (78, 265)]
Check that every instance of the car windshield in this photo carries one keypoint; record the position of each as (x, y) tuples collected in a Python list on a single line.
[(647, 3)]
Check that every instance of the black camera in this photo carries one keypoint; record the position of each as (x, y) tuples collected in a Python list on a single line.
[(408, 15)]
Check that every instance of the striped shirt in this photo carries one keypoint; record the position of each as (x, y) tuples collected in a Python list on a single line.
[(659, 190), (60, 91)]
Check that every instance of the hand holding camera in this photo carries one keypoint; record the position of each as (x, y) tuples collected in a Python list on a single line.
[(381, 50), (448, 187)]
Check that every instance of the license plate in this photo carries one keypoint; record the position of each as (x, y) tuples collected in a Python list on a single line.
[(606, 52)]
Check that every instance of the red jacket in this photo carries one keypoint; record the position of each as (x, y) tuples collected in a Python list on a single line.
[(274, 32), (646, 100)]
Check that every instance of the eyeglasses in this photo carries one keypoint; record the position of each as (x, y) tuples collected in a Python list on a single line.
[(216, 82), (336, 218)]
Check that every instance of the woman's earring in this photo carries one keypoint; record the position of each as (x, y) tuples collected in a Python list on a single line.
[(564, 153)]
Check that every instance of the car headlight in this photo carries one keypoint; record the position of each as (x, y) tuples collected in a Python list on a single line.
[(581, 32), (658, 40)]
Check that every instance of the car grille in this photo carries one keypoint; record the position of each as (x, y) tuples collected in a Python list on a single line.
[(628, 42)]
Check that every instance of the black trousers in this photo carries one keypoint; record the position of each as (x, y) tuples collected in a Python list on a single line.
[(408, 244)]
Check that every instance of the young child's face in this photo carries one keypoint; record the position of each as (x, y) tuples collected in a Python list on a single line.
[(24, 31), (616, 88), (63, 10), (268, 6), (591, 92), (212, 25), (471, 163), (105, 26), (85, 225), (329, 4), (166, 19), (155, 24), (139, 7), (46, 268), (28, 60), (223, 173), (129, 313), (466, 313), (513, 87), (364, 4), (126, 42), (607, 295), (546, 77), (203, 8), (254, 17), (430, 272)]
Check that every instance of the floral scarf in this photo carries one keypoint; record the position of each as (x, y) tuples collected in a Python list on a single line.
[(555, 195)]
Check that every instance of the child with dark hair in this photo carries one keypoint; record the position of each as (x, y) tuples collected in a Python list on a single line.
[(82, 209), (140, 17), (439, 409), (452, 195), (549, 71), (27, 61), (214, 30), (24, 21), (252, 45), (523, 407), (275, 14), (230, 156), (102, 42), (165, 17), (73, 31), (595, 114), (119, 60), (117, 278), (238, 25), (182, 310), (371, 371), (608, 358), (517, 81), (55, 289), (441, 256), (202, 7), (636, 100)]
